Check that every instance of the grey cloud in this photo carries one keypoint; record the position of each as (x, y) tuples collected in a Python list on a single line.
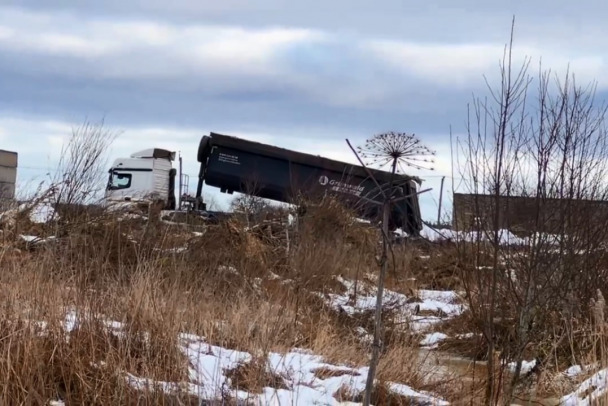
[(309, 94), (308, 100), (329, 86), (430, 21), (129, 103)]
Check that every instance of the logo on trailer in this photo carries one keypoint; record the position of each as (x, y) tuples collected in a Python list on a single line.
[(341, 187)]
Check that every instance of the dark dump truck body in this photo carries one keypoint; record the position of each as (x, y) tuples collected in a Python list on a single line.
[(237, 165)]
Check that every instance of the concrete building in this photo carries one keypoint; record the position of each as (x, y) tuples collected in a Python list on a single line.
[(8, 174)]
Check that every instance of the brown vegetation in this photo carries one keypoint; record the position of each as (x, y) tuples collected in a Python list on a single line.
[(240, 288), (257, 289)]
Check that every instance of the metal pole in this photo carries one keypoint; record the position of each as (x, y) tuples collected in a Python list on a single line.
[(181, 181), (377, 342), (440, 200)]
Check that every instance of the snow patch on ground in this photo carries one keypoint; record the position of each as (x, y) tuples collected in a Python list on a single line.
[(361, 297), (573, 371), (505, 237), (440, 301), (526, 366), (39, 213), (419, 313), (405, 390), (42, 213), (577, 370), (589, 392), (29, 238), (175, 250), (299, 369), (432, 340)]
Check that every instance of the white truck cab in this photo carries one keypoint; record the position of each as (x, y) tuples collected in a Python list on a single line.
[(146, 176)]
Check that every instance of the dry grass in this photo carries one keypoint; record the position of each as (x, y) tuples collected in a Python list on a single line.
[(41, 360), (254, 291), (254, 376), (255, 288)]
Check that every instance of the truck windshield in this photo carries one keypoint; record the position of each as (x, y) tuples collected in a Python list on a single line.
[(119, 181)]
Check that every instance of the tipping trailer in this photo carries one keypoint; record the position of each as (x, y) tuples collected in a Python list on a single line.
[(237, 165)]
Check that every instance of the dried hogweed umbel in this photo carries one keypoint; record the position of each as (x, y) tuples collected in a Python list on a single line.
[(399, 150)]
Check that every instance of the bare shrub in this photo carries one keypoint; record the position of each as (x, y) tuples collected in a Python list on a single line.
[(535, 162), (81, 171)]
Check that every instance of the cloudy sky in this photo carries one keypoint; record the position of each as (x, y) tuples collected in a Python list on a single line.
[(301, 75)]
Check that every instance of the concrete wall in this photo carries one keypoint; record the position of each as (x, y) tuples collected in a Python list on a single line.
[(8, 174), (520, 214)]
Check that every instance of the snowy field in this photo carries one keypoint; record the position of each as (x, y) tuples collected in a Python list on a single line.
[(305, 378)]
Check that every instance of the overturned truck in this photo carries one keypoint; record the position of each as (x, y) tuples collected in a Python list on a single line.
[(236, 165)]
